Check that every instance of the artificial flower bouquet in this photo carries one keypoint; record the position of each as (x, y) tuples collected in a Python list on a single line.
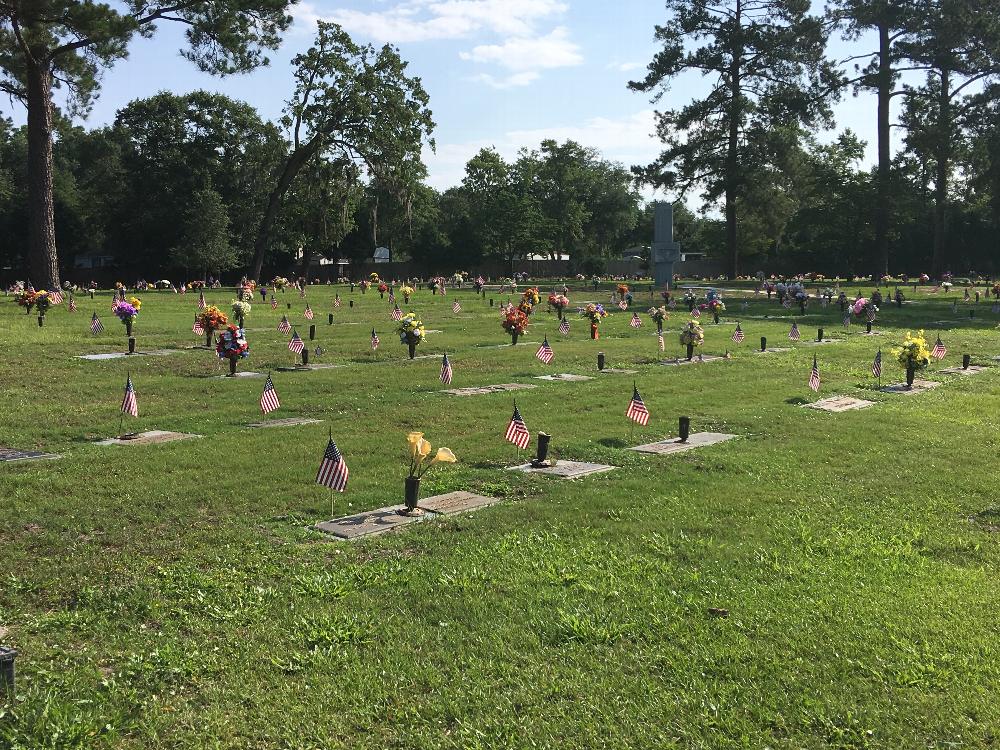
[(232, 343), (515, 322), (241, 309), (411, 332)]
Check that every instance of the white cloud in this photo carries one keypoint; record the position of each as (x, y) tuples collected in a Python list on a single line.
[(626, 67), (511, 81), (426, 20), (554, 50), (629, 140)]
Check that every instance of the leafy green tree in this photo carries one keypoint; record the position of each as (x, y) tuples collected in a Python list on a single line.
[(351, 103), (203, 240), (66, 43), (767, 68)]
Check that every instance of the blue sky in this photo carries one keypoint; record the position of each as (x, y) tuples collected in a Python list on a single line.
[(505, 73)]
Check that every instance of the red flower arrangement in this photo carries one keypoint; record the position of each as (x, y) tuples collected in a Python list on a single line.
[(515, 322)]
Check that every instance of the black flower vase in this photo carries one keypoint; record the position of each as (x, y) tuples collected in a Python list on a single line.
[(413, 349), (659, 326), (27, 310), (715, 318), (868, 326), (690, 306), (412, 493), (381, 295), (41, 320), (513, 339), (910, 374), (690, 352), (128, 328), (208, 339), (232, 367)]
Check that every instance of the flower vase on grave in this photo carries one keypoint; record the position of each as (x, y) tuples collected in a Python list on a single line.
[(593, 332), (690, 352), (240, 318), (41, 320), (691, 306), (232, 366), (381, 295), (406, 299), (128, 328), (413, 349), (659, 326), (868, 326), (513, 339), (412, 493), (208, 339), (715, 318), (910, 373)]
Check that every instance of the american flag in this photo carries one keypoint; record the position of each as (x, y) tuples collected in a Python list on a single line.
[(564, 327), (336, 302), (637, 410), (197, 328), (636, 322), (544, 352), (814, 376), (939, 349), (129, 403), (870, 315), (284, 326), (446, 371), (396, 313), (738, 334), (444, 291), (56, 297), (623, 305), (269, 398), (659, 341), (201, 300), (455, 307), (95, 325), (375, 341), (517, 432), (877, 365), (72, 305), (309, 313), (333, 469), (966, 298), (696, 313), (793, 335), (274, 303), (787, 304), (295, 345), (302, 291), (392, 298)]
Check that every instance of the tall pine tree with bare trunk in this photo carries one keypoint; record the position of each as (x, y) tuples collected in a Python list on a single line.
[(64, 44), (766, 68)]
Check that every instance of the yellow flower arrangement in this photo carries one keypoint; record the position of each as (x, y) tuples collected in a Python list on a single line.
[(136, 303), (914, 352), (420, 449)]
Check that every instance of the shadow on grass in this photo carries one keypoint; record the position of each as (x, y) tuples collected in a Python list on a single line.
[(796, 401), (612, 443)]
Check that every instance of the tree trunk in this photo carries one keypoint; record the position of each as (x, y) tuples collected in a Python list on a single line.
[(43, 260), (293, 164), (733, 156), (884, 77), (943, 159)]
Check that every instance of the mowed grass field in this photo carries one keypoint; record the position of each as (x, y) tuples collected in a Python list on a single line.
[(174, 596)]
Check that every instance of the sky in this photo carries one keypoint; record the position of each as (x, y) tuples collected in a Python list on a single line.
[(502, 73)]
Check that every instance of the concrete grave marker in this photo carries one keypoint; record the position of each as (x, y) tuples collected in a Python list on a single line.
[(14, 454), (673, 445), (368, 523), (919, 386), (565, 469), (287, 422), (123, 355), (839, 404), (456, 502), (242, 374), (616, 371), (677, 362), (564, 376), (150, 437), (485, 389), (970, 370)]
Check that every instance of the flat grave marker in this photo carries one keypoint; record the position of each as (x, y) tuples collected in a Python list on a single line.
[(674, 445), (564, 376), (839, 404), (242, 374), (617, 371), (15, 454), (486, 389), (772, 350), (303, 368), (565, 469), (287, 422), (370, 523), (456, 502), (677, 362), (919, 386), (970, 370), (122, 355), (150, 437)]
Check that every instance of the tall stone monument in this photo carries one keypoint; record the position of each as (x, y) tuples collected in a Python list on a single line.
[(664, 252)]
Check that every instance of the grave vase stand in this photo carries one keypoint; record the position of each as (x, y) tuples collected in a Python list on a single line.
[(412, 493), (690, 352), (513, 339), (412, 348), (232, 367), (208, 339), (715, 318), (594, 335), (910, 374), (659, 326)]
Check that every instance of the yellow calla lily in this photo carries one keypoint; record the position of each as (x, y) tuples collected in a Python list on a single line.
[(414, 439), (444, 456)]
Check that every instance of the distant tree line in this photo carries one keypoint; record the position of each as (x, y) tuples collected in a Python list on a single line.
[(198, 182)]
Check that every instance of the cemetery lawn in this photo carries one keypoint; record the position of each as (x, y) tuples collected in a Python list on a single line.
[(174, 596)]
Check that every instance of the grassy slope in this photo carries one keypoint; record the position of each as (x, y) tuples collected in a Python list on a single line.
[(172, 597)]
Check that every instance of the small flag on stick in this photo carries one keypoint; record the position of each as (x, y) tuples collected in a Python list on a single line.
[(637, 410), (517, 432), (446, 371), (544, 352), (296, 345), (564, 327), (274, 303), (877, 365), (201, 300), (309, 314), (197, 329), (814, 376), (939, 351), (333, 471), (336, 301), (455, 307), (396, 313), (269, 398), (95, 325), (793, 335), (636, 321), (738, 334), (375, 341), (284, 326), (129, 404)]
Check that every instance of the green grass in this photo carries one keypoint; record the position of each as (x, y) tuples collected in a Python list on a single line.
[(173, 596)]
